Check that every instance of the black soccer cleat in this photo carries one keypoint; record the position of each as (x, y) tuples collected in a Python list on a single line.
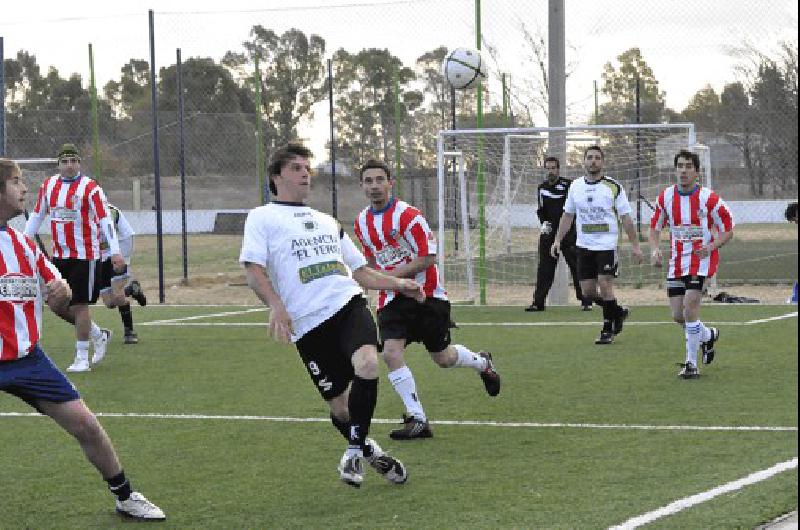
[(412, 429), (534, 308), (489, 376), (131, 337), (586, 307), (708, 347), (606, 337), (617, 323), (134, 290), (688, 371)]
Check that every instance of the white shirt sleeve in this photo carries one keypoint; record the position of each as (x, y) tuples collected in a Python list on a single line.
[(569, 204), (621, 203), (353, 257), (254, 240)]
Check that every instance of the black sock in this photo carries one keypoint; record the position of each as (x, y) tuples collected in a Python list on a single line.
[(127, 317), (617, 309), (598, 301), (120, 486), (608, 314), (363, 397), (342, 426)]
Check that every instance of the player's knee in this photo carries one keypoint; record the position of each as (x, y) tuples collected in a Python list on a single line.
[(365, 362)]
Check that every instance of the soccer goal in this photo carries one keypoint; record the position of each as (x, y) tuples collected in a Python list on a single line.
[(487, 184)]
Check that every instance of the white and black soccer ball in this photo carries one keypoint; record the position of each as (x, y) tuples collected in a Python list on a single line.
[(464, 68)]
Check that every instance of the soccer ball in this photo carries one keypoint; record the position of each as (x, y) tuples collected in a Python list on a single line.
[(464, 68)]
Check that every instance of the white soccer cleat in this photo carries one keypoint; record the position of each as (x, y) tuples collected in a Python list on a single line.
[(100, 344), (351, 469), (138, 507), (387, 466), (79, 365)]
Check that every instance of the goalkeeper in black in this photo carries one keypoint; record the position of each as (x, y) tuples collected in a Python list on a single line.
[(552, 194)]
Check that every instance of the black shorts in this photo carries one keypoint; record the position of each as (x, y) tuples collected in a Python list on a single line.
[(592, 263), (107, 275), (81, 275), (428, 323), (679, 286), (327, 350)]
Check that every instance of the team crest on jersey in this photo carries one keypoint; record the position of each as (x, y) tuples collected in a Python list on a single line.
[(70, 201), (590, 199), (310, 225), (701, 212), (393, 233)]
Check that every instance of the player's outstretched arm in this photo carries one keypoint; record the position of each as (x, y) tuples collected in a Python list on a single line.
[(280, 324), (636, 249), (371, 279)]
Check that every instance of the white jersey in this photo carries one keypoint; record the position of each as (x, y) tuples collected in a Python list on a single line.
[(125, 235), (309, 260), (596, 206)]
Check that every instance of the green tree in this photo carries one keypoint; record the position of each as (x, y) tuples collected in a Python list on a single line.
[(704, 110), (619, 86)]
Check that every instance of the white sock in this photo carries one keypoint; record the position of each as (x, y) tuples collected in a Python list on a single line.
[(403, 382), (469, 358), (705, 332), (82, 349), (95, 332), (692, 331)]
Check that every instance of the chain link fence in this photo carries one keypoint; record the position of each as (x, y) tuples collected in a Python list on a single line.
[(699, 65)]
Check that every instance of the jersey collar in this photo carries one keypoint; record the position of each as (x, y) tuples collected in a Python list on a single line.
[(686, 193), (389, 204), (73, 179), (287, 203)]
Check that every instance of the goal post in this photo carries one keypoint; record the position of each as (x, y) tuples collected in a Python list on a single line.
[(510, 160)]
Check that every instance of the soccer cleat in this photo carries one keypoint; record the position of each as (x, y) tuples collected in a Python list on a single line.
[(688, 371), (351, 469), (412, 428), (387, 466), (534, 308), (131, 337), (100, 344), (606, 337), (138, 507), (708, 347), (586, 307), (616, 324), (134, 290), (490, 377), (79, 365)]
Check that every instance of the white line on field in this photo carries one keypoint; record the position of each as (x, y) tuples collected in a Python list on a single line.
[(688, 502), (198, 317), (479, 423), (770, 319)]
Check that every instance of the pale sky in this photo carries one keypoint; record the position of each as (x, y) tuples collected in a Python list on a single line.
[(685, 43)]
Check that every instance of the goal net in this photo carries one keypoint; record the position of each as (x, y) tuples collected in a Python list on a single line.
[(487, 195)]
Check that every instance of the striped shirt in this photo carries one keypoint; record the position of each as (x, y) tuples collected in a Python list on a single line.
[(691, 217), (77, 209), (395, 236), (22, 265)]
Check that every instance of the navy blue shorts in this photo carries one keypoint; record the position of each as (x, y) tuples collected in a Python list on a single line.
[(35, 378)]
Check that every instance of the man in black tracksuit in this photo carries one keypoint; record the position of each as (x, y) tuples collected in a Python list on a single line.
[(551, 197)]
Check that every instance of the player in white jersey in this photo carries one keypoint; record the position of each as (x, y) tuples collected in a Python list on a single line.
[(397, 241), (302, 264), (112, 284), (594, 202), (700, 223), (26, 371), (78, 212)]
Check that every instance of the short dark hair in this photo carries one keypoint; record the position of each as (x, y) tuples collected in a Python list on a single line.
[(791, 212), (684, 153), (552, 159), (594, 147), (8, 170), (281, 157), (375, 164)]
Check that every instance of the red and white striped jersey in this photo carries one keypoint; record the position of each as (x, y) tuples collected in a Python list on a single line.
[(76, 208), (691, 218), (22, 264), (395, 236)]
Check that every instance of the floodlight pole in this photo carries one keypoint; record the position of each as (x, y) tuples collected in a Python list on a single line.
[(2, 101)]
